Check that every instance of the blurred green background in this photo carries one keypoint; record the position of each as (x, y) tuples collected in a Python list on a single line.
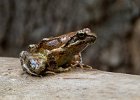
[(116, 22)]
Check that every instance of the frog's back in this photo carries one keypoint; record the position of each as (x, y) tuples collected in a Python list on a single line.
[(55, 42)]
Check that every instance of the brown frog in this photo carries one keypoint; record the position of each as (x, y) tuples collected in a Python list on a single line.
[(57, 54)]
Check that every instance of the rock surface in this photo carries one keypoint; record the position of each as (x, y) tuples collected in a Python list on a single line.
[(116, 23), (75, 85)]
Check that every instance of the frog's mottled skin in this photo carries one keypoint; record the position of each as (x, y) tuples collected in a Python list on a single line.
[(56, 54), (33, 63)]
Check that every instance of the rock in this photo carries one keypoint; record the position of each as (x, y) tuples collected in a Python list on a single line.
[(75, 85), (27, 22)]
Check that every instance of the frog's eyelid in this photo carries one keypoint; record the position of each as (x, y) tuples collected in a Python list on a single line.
[(83, 31)]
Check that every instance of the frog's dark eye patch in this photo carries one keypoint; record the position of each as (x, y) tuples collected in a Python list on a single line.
[(81, 35), (72, 40)]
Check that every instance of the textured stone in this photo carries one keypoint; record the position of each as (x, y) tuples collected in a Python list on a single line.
[(75, 85), (28, 21)]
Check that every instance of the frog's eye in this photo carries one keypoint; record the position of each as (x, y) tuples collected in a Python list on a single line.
[(81, 35)]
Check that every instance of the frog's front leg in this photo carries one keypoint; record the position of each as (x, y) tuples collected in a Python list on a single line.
[(77, 61)]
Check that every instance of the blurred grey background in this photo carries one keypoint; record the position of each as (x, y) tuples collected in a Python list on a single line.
[(116, 22)]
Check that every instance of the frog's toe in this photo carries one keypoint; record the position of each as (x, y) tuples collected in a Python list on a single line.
[(67, 69), (50, 72), (85, 66)]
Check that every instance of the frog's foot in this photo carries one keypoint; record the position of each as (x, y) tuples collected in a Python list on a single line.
[(50, 72), (23, 58), (83, 66)]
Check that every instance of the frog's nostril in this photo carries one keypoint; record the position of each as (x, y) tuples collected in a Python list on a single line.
[(93, 38)]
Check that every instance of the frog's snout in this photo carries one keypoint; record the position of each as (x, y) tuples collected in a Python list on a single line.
[(92, 38)]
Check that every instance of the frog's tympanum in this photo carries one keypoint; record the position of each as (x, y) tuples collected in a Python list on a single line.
[(57, 54)]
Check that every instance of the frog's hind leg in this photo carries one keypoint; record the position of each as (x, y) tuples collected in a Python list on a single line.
[(23, 56), (24, 59)]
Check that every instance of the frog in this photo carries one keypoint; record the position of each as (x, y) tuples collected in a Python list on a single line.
[(57, 54)]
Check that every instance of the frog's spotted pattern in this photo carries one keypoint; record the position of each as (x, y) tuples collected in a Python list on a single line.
[(58, 54)]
